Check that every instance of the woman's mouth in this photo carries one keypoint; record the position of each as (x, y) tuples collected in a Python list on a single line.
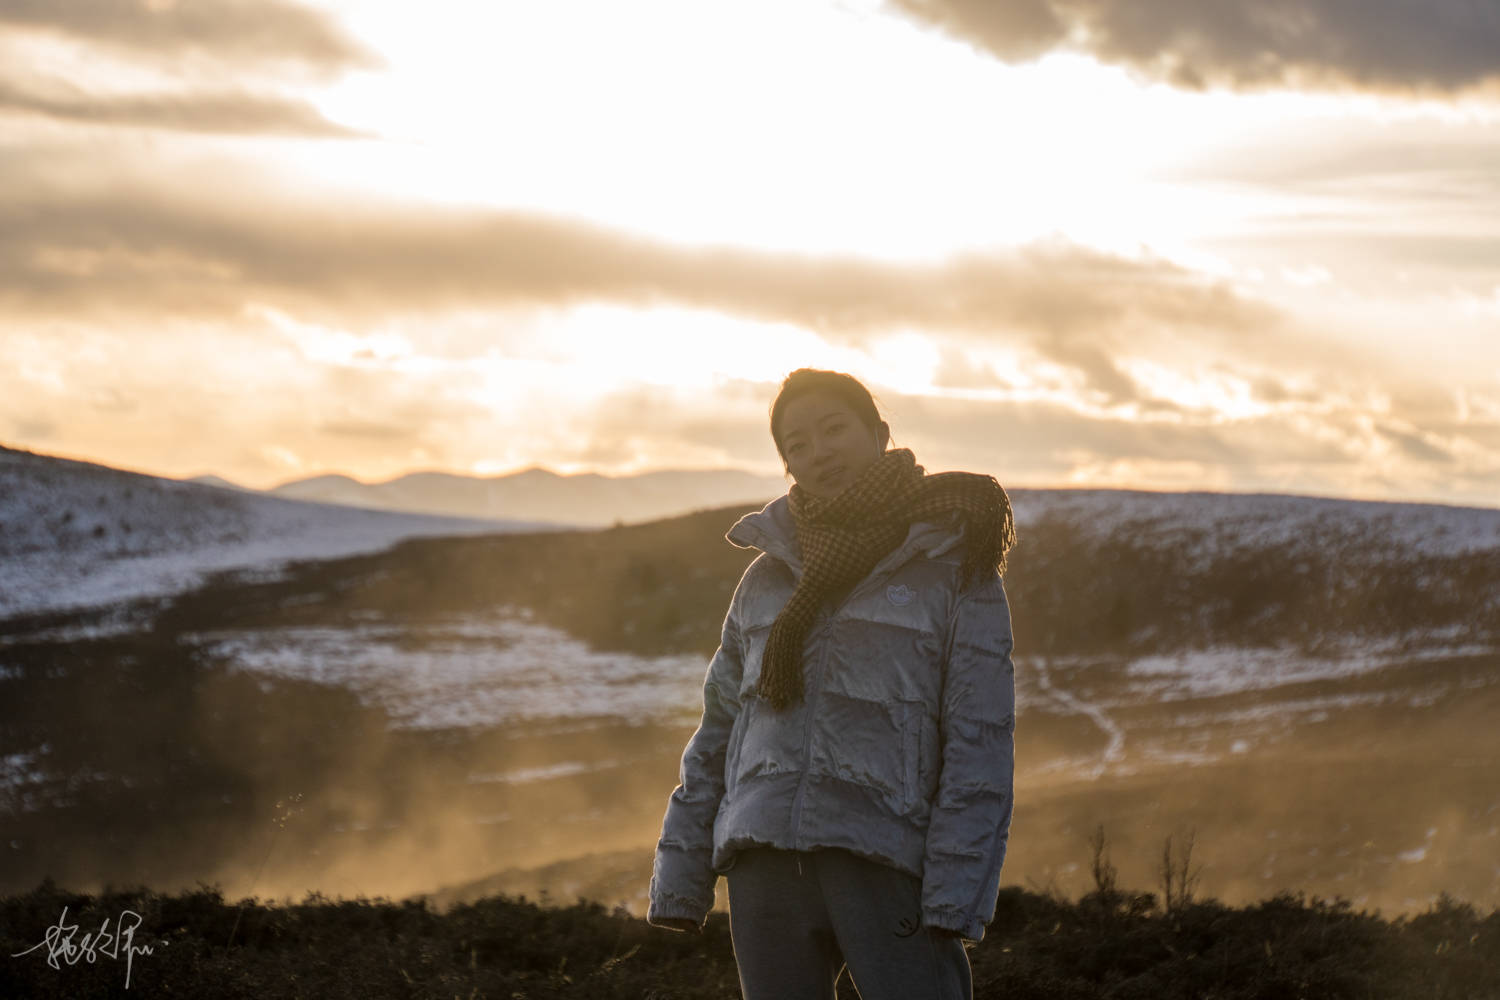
[(830, 475)]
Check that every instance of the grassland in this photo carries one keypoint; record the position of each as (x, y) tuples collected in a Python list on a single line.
[(1110, 944)]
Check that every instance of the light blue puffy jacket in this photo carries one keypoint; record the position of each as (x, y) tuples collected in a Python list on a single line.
[(902, 749)]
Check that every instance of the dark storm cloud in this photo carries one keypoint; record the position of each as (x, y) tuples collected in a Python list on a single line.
[(238, 32), (139, 251), (235, 113), (1400, 45)]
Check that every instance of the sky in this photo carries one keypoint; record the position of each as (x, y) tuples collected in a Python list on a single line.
[(1158, 244)]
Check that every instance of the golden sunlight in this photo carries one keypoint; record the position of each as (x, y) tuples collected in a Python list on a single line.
[(699, 144)]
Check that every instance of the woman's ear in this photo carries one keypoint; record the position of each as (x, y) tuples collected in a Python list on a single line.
[(884, 436)]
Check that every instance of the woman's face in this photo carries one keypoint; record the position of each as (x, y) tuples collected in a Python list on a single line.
[(826, 446)]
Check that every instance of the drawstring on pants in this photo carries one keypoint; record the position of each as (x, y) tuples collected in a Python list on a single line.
[(799, 862)]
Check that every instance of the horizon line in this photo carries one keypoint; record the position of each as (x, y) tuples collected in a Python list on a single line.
[(1024, 486)]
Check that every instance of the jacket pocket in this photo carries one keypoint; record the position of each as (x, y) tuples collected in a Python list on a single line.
[(865, 743), (736, 741)]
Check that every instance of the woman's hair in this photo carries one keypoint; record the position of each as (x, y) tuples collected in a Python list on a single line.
[(845, 388)]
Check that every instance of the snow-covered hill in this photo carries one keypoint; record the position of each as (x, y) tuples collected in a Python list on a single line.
[(1210, 526), (75, 534)]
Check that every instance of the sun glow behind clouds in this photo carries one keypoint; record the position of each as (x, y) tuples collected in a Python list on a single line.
[(1213, 394), (1348, 234), (329, 345), (607, 345), (704, 143)]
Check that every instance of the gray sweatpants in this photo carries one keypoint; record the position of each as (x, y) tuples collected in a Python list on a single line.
[(796, 918)]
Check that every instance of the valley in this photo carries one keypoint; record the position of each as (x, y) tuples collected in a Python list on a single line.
[(456, 716)]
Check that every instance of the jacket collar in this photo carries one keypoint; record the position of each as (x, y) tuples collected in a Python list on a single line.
[(772, 530)]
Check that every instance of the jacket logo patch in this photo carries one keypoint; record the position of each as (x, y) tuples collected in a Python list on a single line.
[(899, 594)]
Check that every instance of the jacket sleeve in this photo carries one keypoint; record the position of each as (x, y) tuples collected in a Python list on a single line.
[(682, 879), (970, 824)]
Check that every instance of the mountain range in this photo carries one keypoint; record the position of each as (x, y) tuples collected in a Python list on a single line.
[(538, 494)]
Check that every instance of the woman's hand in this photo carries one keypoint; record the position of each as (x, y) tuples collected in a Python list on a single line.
[(681, 924)]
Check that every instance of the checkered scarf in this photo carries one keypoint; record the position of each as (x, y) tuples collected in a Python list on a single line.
[(841, 538)]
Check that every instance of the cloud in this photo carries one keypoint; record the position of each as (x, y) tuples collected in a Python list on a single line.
[(1035, 435), (957, 371), (244, 33), (733, 427), (31, 429), (1103, 374), (229, 112), (250, 403), (1415, 444), (132, 249), (1432, 161), (1320, 450), (365, 429), (205, 66), (1388, 45), (260, 409), (1016, 31), (1373, 259)]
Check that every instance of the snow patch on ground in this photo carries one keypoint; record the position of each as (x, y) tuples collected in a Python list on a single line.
[(1417, 854), (1203, 684), (19, 774), (106, 623), (471, 672), (526, 775), (1220, 671), (1288, 712)]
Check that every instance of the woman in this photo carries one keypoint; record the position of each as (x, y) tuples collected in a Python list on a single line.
[(851, 776)]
